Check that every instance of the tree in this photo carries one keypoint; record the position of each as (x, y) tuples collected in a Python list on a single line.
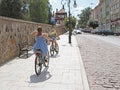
[(11, 8), (39, 11), (84, 17), (93, 23), (50, 15), (72, 22), (32, 10)]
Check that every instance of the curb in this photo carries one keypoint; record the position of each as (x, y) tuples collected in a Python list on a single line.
[(83, 73)]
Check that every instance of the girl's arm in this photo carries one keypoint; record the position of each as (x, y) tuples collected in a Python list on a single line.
[(34, 33), (45, 35), (57, 36)]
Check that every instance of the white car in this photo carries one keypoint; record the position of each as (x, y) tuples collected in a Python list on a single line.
[(76, 31)]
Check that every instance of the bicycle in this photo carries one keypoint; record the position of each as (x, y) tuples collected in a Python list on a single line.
[(39, 63), (54, 48)]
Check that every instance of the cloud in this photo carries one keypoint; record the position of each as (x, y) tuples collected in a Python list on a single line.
[(77, 11), (53, 1), (54, 4)]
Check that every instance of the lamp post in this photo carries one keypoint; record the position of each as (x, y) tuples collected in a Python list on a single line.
[(70, 26), (70, 31)]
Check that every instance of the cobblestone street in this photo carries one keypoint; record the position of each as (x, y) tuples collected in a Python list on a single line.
[(102, 64)]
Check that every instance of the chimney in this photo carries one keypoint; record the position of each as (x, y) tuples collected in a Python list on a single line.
[(63, 7), (56, 10)]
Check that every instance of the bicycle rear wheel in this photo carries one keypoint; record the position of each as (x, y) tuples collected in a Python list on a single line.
[(38, 65), (52, 50)]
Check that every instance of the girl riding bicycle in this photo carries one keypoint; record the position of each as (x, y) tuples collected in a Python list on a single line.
[(54, 36), (40, 43)]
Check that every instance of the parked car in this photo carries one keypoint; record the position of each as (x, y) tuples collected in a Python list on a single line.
[(95, 31), (116, 33), (105, 32), (86, 31), (77, 31)]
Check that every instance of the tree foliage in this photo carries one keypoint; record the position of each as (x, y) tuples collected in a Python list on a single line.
[(84, 17), (11, 8), (93, 23), (72, 22), (39, 11)]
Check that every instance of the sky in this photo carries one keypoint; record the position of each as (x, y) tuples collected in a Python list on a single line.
[(81, 4)]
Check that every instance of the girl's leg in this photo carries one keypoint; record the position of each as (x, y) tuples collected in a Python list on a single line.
[(43, 58)]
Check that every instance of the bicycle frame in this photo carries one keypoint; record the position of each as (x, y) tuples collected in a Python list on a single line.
[(53, 48), (39, 62), (38, 53)]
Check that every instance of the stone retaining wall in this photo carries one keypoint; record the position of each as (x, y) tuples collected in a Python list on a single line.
[(13, 32)]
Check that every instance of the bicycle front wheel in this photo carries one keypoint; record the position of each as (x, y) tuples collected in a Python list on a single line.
[(38, 65), (46, 61), (57, 49)]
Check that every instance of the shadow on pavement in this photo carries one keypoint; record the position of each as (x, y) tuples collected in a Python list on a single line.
[(55, 56), (45, 75), (25, 57), (64, 45)]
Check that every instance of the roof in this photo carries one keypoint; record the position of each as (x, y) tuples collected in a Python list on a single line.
[(61, 11)]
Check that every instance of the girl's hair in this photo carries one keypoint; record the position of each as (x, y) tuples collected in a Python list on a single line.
[(39, 29)]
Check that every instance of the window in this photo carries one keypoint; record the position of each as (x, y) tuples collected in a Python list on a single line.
[(61, 16)]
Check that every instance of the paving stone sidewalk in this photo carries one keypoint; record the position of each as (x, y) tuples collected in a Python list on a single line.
[(65, 72)]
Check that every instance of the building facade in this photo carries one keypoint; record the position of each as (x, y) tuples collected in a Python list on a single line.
[(103, 15), (95, 13), (115, 14), (108, 14)]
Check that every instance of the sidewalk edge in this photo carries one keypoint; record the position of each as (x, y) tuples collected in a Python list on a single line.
[(83, 72)]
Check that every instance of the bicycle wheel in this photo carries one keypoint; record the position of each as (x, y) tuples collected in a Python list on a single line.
[(46, 61), (38, 65), (57, 49), (52, 50)]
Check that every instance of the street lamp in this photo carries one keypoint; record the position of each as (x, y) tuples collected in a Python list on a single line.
[(70, 27), (74, 5)]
